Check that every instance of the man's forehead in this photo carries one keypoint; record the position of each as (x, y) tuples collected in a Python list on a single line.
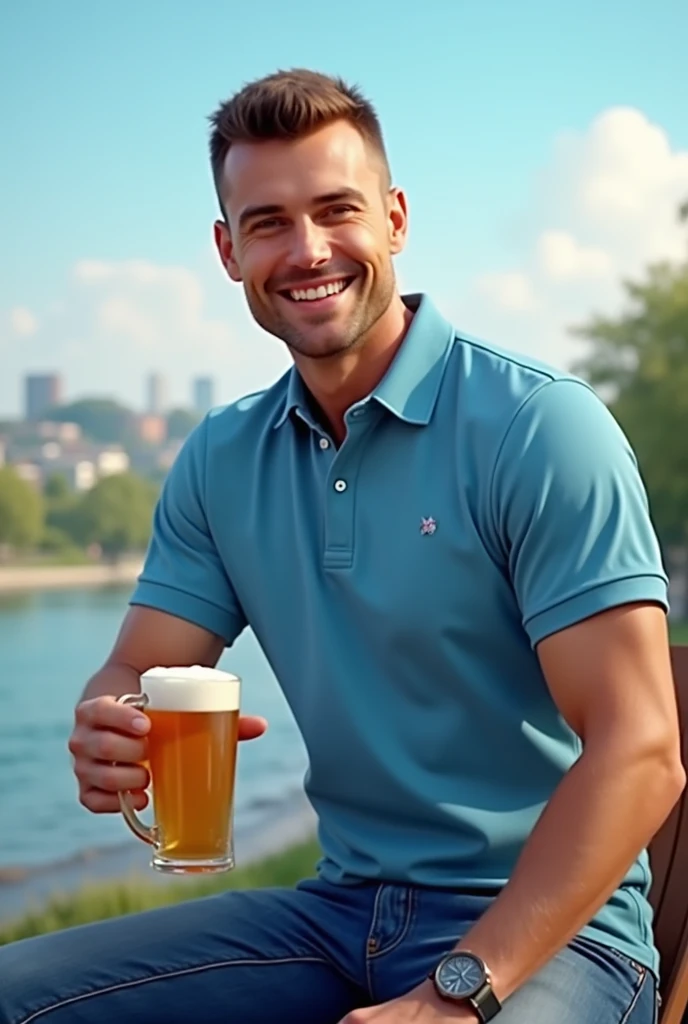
[(280, 171)]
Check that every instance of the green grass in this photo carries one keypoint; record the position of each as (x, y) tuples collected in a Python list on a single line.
[(679, 633), (97, 902)]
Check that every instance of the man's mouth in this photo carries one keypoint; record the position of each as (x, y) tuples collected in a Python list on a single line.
[(317, 292)]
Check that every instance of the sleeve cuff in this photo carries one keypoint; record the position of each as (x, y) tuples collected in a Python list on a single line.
[(189, 607), (591, 602)]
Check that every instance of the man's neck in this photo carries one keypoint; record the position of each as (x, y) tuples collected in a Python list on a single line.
[(337, 384)]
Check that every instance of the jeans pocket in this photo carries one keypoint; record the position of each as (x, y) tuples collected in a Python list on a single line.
[(643, 978), (639, 970)]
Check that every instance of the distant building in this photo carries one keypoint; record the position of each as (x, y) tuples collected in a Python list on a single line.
[(66, 433), (203, 398), (42, 391), (156, 395), (29, 472), (112, 460), (167, 456), (80, 474), (152, 429)]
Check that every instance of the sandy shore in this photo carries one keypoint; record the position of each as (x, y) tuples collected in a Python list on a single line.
[(43, 577), (20, 891)]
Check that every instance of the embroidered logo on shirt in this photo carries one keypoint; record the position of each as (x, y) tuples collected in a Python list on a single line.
[(427, 526)]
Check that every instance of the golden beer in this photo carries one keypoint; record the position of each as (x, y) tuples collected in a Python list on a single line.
[(192, 748)]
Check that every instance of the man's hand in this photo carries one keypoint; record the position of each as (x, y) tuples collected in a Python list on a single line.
[(109, 748), (420, 1006)]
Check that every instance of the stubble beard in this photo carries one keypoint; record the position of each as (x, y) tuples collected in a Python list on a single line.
[(365, 315)]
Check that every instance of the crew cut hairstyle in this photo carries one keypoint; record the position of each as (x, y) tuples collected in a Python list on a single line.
[(289, 105)]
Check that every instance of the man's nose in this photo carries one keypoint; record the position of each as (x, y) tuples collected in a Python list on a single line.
[(310, 246)]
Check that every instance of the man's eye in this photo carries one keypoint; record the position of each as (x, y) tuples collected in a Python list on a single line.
[(266, 224), (340, 210)]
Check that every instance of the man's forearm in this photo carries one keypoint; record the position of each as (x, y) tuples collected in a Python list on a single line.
[(605, 810), (112, 681)]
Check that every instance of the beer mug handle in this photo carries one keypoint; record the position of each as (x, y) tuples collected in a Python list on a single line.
[(148, 833)]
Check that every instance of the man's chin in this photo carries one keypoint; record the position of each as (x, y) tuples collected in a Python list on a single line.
[(319, 348)]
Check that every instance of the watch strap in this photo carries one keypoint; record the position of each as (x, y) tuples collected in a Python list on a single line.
[(485, 1004)]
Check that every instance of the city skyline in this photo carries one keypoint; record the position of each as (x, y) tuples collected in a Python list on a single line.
[(44, 391), (543, 166)]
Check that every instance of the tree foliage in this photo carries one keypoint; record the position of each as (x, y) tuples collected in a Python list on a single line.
[(180, 423), (640, 359), (116, 514), (102, 420), (21, 511)]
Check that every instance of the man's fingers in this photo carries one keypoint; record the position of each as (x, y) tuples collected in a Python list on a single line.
[(111, 778), (106, 713), (99, 802), (251, 727)]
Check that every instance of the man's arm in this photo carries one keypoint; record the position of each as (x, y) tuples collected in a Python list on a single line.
[(570, 509), (610, 677), (148, 638), (107, 747)]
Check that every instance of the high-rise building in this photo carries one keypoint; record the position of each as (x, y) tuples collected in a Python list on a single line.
[(156, 398), (203, 394), (42, 391)]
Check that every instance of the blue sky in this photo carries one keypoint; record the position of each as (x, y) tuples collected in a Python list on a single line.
[(543, 152)]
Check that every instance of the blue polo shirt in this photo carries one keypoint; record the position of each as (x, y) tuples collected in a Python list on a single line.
[(398, 586)]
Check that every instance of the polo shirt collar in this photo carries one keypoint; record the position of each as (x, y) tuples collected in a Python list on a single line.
[(412, 383)]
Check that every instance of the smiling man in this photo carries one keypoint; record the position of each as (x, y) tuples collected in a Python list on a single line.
[(446, 553)]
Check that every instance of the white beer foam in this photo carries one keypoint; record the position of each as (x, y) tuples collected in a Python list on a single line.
[(191, 688)]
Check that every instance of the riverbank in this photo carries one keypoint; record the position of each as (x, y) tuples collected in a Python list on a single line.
[(49, 577), (25, 890)]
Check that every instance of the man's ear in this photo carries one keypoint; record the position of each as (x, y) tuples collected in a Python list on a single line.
[(225, 249), (397, 219)]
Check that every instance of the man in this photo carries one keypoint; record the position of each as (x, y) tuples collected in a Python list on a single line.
[(446, 554)]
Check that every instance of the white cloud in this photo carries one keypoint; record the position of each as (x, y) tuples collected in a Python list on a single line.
[(561, 256), (512, 290), (23, 322), (118, 321), (603, 207), (152, 306)]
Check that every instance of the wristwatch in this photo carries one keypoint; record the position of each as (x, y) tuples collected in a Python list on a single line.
[(463, 978)]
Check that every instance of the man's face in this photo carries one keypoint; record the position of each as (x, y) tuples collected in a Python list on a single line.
[(312, 228)]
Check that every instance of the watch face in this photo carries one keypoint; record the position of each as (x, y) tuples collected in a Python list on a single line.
[(460, 975)]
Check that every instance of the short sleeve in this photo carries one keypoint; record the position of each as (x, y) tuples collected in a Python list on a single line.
[(183, 573), (570, 510)]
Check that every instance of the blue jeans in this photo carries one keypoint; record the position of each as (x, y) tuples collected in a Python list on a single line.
[(307, 955)]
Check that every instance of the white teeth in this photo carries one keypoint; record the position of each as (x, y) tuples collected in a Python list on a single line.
[(321, 292)]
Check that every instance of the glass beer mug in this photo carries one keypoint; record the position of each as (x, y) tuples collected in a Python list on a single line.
[(192, 753)]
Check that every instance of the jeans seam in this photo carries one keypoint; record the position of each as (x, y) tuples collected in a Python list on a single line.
[(170, 974), (373, 921), (639, 969), (642, 978), (407, 924)]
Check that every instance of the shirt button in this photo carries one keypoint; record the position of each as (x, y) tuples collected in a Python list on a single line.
[(324, 443), (340, 485)]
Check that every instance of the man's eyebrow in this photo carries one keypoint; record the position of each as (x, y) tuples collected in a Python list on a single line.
[(341, 195), (273, 209), (251, 212)]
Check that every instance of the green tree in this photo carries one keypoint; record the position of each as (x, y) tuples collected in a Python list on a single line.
[(21, 511), (103, 420), (641, 360), (56, 489), (116, 514), (180, 423), (60, 535)]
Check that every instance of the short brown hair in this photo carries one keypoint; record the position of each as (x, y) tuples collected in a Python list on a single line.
[(288, 105)]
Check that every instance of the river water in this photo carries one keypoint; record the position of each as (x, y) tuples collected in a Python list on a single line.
[(50, 643)]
